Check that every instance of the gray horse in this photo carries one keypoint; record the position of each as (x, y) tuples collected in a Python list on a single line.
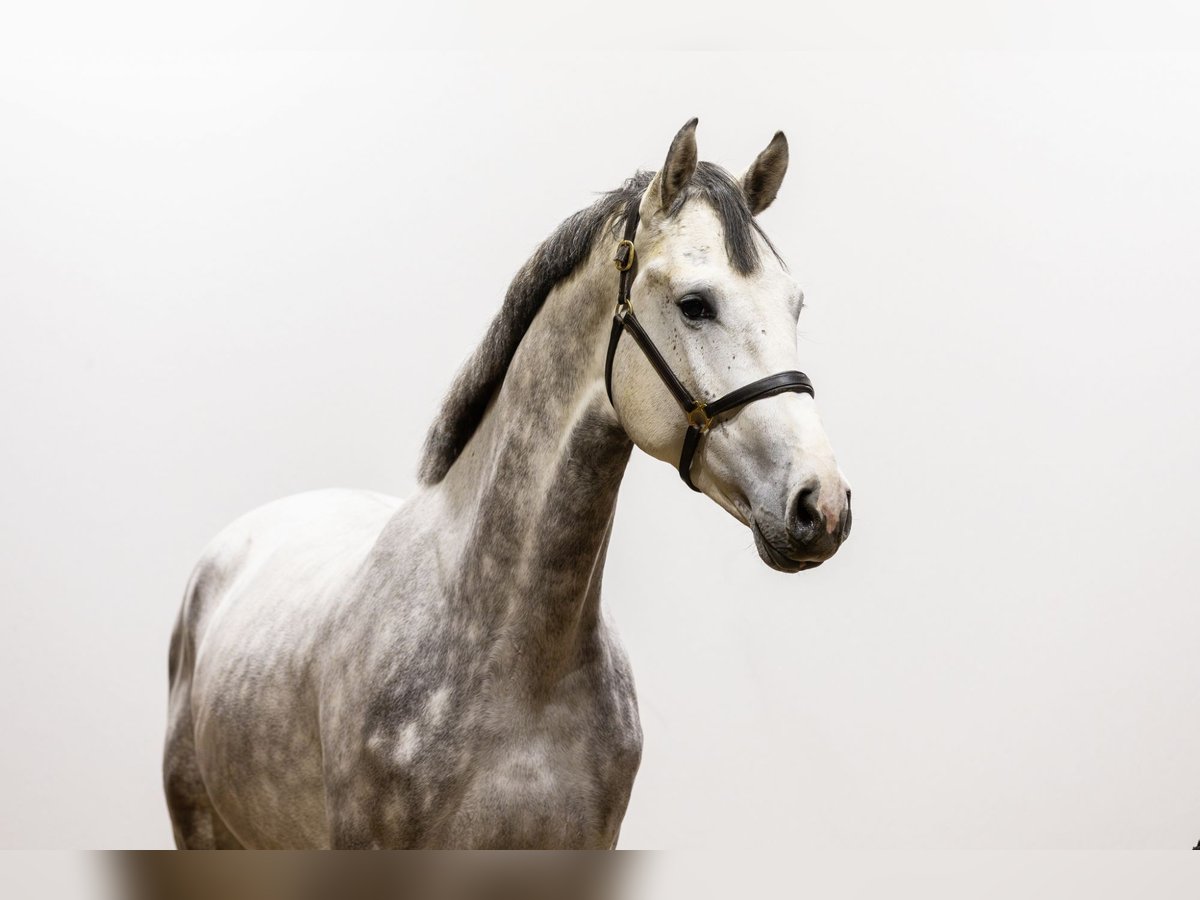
[(350, 671)]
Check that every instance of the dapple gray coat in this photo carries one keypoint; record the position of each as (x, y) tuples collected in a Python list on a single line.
[(351, 671)]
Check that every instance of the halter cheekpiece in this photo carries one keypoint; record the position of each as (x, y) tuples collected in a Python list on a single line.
[(701, 416)]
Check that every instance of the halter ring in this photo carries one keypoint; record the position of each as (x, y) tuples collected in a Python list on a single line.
[(622, 257), (703, 422)]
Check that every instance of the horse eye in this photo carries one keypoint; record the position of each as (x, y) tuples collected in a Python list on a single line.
[(694, 307)]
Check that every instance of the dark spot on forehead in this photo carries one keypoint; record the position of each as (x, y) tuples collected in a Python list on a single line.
[(721, 191)]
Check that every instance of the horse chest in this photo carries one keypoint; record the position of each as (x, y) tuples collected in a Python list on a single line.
[(497, 773), (536, 792)]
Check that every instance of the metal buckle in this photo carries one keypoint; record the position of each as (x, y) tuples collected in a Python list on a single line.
[(704, 422), (625, 258)]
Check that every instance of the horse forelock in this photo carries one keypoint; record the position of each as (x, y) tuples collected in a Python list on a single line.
[(555, 260)]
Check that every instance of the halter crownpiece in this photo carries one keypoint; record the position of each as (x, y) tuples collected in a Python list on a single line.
[(700, 416)]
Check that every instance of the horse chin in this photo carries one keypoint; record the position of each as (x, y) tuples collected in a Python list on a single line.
[(778, 560)]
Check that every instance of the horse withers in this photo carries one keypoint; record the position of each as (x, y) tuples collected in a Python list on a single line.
[(351, 671)]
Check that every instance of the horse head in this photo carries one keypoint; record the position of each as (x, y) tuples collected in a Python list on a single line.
[(704, 291)]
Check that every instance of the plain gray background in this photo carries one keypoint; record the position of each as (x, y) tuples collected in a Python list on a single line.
[(228, 277)]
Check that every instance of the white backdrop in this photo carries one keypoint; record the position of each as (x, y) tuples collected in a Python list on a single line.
[(229, 277)]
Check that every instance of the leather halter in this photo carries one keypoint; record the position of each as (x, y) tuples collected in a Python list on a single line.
[(701, 416)]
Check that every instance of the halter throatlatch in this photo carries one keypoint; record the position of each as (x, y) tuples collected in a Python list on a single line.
[(701, 416)]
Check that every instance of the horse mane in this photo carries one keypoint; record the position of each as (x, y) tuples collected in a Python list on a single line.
[(555, 260)]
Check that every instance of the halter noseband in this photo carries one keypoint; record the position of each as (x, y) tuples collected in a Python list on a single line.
[(700, 415)]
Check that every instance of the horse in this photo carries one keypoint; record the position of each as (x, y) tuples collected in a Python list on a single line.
[(348, 670)]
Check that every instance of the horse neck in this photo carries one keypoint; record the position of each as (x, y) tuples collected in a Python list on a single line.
[(536, 488)]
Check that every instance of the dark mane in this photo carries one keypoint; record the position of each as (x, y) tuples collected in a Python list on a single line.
[(556, 259)]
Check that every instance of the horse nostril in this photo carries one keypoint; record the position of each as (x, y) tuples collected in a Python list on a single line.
[(805, 520)]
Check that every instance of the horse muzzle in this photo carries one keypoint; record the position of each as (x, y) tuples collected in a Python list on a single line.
[(810, 533)]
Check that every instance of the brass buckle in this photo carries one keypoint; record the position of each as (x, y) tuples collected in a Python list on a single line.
[(699, 418), (628, 259)]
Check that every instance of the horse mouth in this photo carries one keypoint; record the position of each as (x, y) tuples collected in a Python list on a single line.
[(779, 560)]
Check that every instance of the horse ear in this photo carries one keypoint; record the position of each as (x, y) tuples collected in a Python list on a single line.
[(761, 182), (679, 167)]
